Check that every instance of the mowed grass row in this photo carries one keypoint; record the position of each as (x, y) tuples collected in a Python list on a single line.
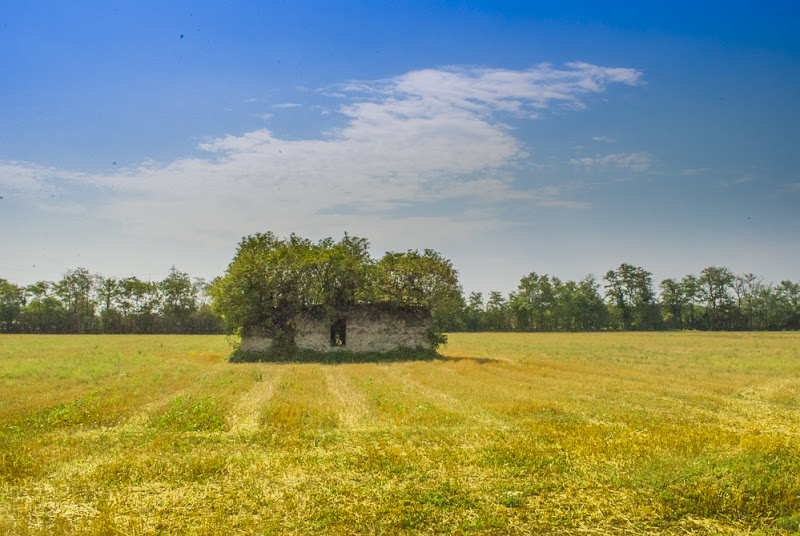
[(641, 433)]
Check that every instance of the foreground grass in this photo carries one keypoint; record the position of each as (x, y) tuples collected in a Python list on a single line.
[(506, 434)]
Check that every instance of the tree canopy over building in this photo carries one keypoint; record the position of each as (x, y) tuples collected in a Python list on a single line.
[(271, 280)]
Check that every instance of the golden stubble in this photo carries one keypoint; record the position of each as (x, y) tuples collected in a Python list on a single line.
[(635, 433)]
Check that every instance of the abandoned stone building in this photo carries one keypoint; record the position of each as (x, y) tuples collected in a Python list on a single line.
[(359, 328)]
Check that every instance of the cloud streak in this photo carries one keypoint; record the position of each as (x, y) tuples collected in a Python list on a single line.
[(637, 162), (424, 137)]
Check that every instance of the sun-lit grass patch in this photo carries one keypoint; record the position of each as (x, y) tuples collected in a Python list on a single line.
[(192, 414), (646, 433)]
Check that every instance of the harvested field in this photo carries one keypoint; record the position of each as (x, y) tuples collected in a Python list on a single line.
[(627, 433)]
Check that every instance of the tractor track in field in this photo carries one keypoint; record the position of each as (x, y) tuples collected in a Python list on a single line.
[(353, 404), (246, 411)]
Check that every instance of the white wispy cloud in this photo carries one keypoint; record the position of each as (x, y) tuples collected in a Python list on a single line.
[(27, 178), (287, 105), (637, 162), (605, 139), (423, 137), (480, 90)]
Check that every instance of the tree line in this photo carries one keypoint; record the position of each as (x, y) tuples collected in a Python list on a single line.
[(82, 302), (717, 299), (267, 270)]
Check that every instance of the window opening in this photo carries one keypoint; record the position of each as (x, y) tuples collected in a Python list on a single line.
[(339, 333)]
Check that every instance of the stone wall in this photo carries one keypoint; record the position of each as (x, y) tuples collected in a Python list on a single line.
[(368, 328), (256, 344)]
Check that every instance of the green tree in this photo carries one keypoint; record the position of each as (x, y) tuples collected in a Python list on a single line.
[(260, 291), (139, 302), (745, 288), (630, 289), (453, 320), (690, 287), (75, 291), (673, 300), (592, 310), (178, 300), (108, 292), (341, 272), (714, 288), (497, 317), (203, 319), (578, 306), (12, 299), (420, 279), (475, 312), (43, 313), (787, 296), (201, 291), (534, 301), (564, 306)]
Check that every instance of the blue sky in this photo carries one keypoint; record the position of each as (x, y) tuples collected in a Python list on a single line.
[(561, 138)]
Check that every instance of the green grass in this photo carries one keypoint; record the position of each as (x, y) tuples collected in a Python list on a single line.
[(646, 433)]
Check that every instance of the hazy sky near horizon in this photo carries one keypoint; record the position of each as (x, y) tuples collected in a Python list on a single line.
[(561, 138)]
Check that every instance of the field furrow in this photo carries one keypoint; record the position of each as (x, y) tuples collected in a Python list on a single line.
[(352, 405), (244, 416)]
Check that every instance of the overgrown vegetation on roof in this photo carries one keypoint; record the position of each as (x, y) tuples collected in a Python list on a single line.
[(271, 280)]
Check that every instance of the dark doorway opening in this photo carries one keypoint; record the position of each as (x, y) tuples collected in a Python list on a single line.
[(339, 333)]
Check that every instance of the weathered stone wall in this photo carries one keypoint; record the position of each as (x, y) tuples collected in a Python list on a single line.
[(385, 330), (312, 334), (256, 344), (369, 328)]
